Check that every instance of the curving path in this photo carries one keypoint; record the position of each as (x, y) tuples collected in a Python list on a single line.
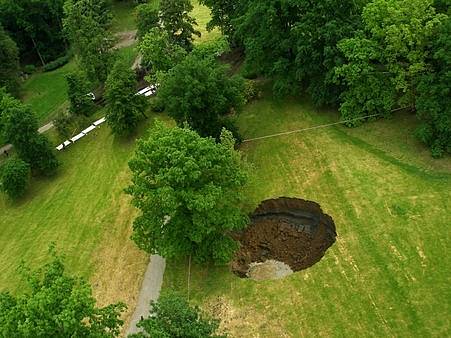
[(150, 290)]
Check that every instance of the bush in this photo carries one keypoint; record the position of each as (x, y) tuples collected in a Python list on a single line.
[(251, 92), (14, 177), (64, 124), (57, 63), (157, 105), (229, 124), (29, 69)]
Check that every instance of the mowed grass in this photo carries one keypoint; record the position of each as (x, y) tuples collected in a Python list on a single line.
[(389, 272), (123, 16), (202, 15), (46, 92), (86, 213)]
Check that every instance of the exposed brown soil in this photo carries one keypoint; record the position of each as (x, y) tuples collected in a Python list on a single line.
[(293, 231)]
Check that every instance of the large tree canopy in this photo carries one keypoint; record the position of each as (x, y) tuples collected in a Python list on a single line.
[(14, 177), (200, 92), (434, 94), (56, 304), (35, 26), (124, 107), (87, 25), (173, 317), (9, 63), (385, 59), (175, 19), (20, 127), (294, 42), (147, 17), (159, 53), (188, 189)]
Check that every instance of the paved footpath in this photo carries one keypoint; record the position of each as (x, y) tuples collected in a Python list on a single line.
[(150, 290)]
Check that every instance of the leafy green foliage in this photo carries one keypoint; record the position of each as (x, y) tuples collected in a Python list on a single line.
[(35, 26), (9, 63), (434, 95), (385, 59), (78, 88), (159, 52), (57, 63), (200, 92), (223, 13), (20, 127), (123, 106), (188, 189), (56, 305), (87, 25), (14, 177), (173, 317), (175, 19), (294, 42), (146, 18)]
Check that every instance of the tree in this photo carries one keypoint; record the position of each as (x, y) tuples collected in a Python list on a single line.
[(188, 189), (87, 26), (200, 92), (147, 17), (77, 91), (175, 19), (173, 317), (385, 59), (433, 103), (123, 106), (294, 42), (36, 27), (158, 52), (223, 15), (14, 177), (56, 305), (20, 127), (9, 63)]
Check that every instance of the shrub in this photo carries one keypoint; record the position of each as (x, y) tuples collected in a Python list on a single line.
[(29, 69), (251, 92), (14, 177), (157, 105), (57, 63), (64, 124)]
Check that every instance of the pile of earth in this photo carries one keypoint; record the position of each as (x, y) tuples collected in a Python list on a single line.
[(285, 235)]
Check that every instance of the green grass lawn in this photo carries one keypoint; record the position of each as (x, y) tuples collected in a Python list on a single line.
[(202, 15), (388, 274), (86, 213), (46, 92), (123, 16)]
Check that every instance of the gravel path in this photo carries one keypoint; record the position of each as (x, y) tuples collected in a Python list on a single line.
[(150, 290)]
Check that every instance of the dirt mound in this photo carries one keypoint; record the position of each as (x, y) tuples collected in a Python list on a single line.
[(288, 230)]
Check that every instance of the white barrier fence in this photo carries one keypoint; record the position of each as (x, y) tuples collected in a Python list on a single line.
[(147, 91)]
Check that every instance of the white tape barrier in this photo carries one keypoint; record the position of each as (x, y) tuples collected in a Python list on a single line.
[(87, 130), (147, 91)]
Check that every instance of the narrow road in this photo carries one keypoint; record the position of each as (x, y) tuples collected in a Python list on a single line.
[(150, 290)]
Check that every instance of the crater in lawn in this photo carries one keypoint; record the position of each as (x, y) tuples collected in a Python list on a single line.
[(285, 235)]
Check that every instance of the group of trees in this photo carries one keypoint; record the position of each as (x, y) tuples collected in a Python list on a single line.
[(57, 304), (367, 57), (195, 88), (36, 27), (19, 126)]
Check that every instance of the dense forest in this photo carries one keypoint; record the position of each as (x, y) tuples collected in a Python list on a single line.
[(366, 58)]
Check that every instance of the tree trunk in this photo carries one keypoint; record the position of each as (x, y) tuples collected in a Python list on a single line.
[(37, 51)]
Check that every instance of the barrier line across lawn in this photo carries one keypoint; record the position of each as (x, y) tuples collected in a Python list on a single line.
[(147, 91)]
